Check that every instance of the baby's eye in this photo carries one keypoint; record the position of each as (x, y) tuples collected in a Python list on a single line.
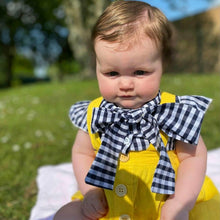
[(112, 73), (140, 72)]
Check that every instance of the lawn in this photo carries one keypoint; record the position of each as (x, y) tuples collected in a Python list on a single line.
[(35, 130)]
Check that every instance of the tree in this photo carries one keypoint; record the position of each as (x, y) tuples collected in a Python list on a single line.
[(34, 27), (80, 17)]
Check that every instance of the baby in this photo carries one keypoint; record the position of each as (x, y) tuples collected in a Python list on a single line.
[(138, 153)]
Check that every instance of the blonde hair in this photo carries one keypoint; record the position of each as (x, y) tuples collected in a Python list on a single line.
[(122, 19)]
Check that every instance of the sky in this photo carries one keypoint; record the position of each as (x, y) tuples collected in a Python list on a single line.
[(187, 7)]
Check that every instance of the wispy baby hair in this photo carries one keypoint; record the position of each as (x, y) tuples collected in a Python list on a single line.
[(124, 20)]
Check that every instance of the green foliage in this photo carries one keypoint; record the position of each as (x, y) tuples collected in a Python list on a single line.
[(36, 28), (22, 66), (63, 68), (35, 131)]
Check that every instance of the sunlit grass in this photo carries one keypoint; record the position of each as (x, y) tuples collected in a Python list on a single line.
[(35, 130)]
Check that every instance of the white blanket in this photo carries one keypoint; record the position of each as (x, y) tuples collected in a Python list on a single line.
[(56, 185)]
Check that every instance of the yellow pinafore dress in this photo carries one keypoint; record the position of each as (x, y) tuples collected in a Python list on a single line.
[(132, 198)]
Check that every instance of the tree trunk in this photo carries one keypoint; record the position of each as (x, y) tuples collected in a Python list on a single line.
[(9, 55), (80, 17)]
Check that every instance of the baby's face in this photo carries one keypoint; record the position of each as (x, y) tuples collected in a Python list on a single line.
[(128, 74)]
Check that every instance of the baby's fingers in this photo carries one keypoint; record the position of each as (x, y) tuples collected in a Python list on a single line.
[(101, 206), (94, 205)]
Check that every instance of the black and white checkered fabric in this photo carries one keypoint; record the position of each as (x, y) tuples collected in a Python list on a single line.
[(125, 130), (78, 115)]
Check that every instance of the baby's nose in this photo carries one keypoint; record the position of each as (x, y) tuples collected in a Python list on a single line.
[(126, 83)]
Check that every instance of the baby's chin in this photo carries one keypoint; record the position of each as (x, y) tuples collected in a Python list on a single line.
[(129, 105)]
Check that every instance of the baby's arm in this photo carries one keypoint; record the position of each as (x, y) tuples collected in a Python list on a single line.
[(82, 158), (190, 177), (94, 204)]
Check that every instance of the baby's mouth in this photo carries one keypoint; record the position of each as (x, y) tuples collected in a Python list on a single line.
[(127, 97)]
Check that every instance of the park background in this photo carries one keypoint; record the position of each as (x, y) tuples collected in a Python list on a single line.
[(46, 65)]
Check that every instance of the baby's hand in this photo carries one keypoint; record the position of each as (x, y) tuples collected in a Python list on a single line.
[(94, 205), (172, 210)]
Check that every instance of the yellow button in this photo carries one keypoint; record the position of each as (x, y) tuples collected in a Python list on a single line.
[(124, 158), (124, 217), (121, 190)]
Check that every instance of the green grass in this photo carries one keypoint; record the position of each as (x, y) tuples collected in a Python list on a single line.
[(35, 130)]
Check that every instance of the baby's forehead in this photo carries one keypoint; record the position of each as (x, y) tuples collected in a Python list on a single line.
[(127, 42)]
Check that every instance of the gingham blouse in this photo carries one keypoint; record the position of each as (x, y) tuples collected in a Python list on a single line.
[(180, 121)]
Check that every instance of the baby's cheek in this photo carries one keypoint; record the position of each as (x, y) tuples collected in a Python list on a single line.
[(107, 91)]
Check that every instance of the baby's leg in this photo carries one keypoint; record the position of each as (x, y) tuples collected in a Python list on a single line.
[(70, 211)]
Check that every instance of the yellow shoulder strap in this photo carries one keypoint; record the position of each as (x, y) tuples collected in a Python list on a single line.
[(95, 139), (166, 98)]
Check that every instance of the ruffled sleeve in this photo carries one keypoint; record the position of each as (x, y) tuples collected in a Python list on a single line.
[(200, 102), (182, 120), (78, 115), (194, 108)]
